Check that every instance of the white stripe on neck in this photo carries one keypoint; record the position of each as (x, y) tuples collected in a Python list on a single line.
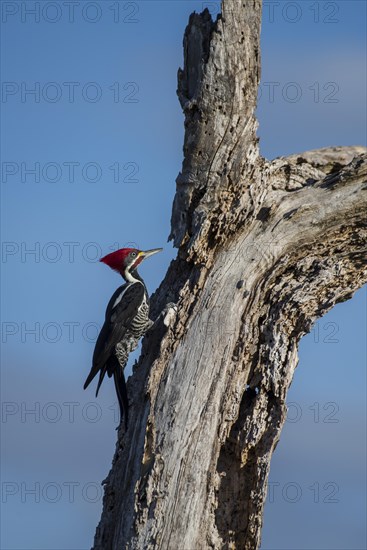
[(130, 278)]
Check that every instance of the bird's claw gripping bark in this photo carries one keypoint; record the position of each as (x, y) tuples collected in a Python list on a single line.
[(169, 314)]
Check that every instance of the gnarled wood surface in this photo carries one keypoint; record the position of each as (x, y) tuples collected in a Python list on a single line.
[(264, 249)]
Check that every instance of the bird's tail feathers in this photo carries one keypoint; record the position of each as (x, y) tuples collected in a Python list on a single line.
[(112, 367), (121, 391)]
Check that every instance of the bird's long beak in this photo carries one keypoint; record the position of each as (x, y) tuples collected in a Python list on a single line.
[(146, 253)]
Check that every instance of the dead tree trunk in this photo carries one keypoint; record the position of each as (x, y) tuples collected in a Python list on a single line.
[(264, 249)]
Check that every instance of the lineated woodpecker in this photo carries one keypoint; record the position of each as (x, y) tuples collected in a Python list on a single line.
[(126, 321)]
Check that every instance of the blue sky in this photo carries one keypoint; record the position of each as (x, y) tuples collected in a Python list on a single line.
[(102, 133)]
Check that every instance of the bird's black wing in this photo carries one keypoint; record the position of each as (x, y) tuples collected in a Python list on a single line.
[(118, 320), (105, 330)]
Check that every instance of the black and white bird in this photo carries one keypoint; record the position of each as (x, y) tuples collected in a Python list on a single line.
[(126, 321)]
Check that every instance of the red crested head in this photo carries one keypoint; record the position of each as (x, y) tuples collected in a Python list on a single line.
[(126, 260), (117, 260)]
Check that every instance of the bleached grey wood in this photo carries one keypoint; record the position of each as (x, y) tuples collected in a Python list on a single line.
[(264, 249)]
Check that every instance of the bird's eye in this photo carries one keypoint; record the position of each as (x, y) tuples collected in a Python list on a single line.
[(133, 254)]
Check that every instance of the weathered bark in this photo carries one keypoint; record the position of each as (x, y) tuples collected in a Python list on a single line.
[(265, 248)]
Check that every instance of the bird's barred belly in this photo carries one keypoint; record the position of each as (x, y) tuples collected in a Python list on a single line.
[(138, 327), (140, 323)]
